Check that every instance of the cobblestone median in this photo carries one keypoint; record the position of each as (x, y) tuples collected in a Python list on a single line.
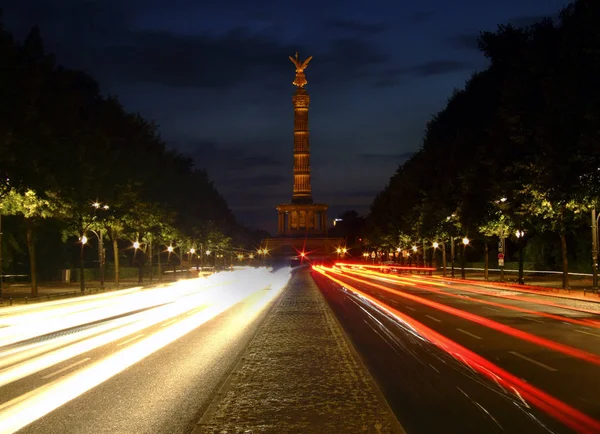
[(299, 375)]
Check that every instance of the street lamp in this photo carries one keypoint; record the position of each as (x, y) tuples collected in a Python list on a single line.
[(520, 234), (463, 259), (136, 244), (595, 249)]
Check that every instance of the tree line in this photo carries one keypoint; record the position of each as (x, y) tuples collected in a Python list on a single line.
[(74, 163), (515, 152)]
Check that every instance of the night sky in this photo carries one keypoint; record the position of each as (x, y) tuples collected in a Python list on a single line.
[(216, 77)]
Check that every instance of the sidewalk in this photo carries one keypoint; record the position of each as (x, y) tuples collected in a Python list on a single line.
[(299, 374)]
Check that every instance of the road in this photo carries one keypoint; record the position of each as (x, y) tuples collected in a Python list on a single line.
[(133, 361), (463, 358)]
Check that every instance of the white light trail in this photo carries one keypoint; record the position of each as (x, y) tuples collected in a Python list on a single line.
[(25, 409)]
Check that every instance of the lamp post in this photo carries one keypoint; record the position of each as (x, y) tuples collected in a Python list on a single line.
[(463, 257), (136, 246), (452, 255), (83, 240), (594, 250), (435, 246), (520, 234), (1, 270)]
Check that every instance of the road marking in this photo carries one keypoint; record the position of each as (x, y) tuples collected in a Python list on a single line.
[(411, 308), (469, 334), (168, 322), (588, 333), (534, 319), (66, 368), (493, 309), (535, 362), (129, 340), (434, 368), (433, 318)]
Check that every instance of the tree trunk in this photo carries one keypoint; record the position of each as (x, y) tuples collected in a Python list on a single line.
[(463, 261), (486, 268), (81, 269), (444, 258), (159, 266), (150, 253), (565, 262), (32, 261), (115, 246), (521, 280), (140, 268)]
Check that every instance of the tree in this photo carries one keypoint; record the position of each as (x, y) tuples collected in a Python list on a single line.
[(32, 208)]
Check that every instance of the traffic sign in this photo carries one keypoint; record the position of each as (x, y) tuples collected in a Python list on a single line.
[(500, 255), (500, 262)]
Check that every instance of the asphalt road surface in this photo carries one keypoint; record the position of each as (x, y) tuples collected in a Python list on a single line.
[(432, 391)]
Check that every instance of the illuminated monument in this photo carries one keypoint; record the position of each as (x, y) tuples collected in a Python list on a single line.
[(301, 224)]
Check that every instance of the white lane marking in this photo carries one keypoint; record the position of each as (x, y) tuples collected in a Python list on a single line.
[(129, 340), (433, 318), (411, 308), (534, 319), (493, 309), (469, 334), (535, 362), (66, 368), (588, 333), (434, 368)]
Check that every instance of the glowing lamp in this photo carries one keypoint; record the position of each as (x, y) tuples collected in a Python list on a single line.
[(465, 241), (435, 245), (136, 245), (83, 239), (170, 249)]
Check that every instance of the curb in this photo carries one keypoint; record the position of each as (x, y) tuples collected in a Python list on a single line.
[(222, 389)]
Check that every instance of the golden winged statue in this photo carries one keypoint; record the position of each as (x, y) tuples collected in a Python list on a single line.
[(300, 79)]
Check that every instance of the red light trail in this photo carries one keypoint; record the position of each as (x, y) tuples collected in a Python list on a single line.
[(555, 346), (552, 406), (406, 280)]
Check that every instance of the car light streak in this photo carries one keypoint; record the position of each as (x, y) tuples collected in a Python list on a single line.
[(552, 406), (28, 326), (400, 281), (555, 346), (519, 288), (25, 409)]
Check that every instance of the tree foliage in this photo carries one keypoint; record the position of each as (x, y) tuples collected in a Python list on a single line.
[(64, 146), (524, 129)]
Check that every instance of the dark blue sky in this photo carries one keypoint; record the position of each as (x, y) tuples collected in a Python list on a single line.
[(217, 79)]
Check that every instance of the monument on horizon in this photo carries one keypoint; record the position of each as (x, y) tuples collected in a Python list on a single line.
[(301, 223), (301, 217)]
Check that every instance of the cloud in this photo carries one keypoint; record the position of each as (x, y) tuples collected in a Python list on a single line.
[(354, 52), (469, 41), (395, 76), (438, 67), (231, 157), (355, 26), (385, 158), (423, 16), (530, 20), (200, 61)]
